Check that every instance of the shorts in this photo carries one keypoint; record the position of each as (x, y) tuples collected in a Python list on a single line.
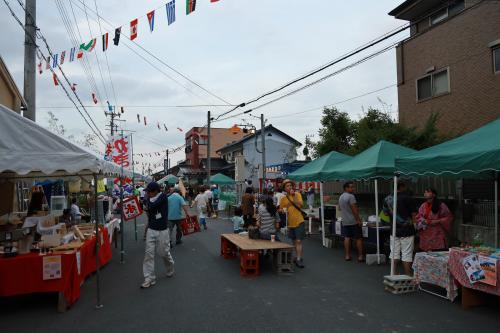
[(297, 233), (403, 248), (353, 231)]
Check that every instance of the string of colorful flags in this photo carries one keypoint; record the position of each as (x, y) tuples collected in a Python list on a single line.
[(78, 52), (161, 152)]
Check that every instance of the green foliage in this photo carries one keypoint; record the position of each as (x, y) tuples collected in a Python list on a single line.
[(344, 135)]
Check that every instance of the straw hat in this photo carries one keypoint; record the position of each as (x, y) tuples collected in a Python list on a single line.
[(286, 181)]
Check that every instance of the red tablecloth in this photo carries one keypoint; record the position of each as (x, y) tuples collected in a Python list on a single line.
[(23, 274), (457, 270)]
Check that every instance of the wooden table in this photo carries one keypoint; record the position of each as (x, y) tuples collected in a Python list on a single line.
[(249, 250)]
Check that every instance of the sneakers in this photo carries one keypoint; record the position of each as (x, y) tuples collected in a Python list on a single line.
[(147, 284), (299, 263)]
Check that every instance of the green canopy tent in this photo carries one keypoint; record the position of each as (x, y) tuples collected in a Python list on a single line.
[(220, 179), (474, 154), (314, 171), (373, 163), (169, 180)]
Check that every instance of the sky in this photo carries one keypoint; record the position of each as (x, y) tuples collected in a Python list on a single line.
[(237, 50)]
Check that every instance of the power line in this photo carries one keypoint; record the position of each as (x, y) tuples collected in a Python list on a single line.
[(141, 106), (352, 65), (96, 57), (160, 60), (40, 36), (84, 62), (106, 55), (322, 68)]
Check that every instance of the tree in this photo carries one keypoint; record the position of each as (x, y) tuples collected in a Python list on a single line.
[(88, 140), (54, 125), (338, 132), (309, 148)]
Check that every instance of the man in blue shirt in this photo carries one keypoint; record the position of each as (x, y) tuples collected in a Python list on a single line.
[(176, 204), (157, 235)]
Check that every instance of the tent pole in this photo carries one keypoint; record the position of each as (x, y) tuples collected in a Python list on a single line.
[(133, 179), (322, 212), (97, 245), (377, 221), (496, 209), (394, 214)]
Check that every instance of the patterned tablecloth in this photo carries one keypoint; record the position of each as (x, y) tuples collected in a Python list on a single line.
[(433, 268), (457, 270)]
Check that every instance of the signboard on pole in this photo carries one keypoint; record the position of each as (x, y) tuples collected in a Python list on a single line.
[(118, 150), (131, 208)]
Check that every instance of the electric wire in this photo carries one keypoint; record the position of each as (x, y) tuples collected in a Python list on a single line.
[(40, 36)]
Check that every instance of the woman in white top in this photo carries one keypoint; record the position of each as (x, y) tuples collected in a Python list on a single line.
[(268, 219)]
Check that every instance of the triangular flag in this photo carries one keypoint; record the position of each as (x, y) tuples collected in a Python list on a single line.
[(63, 55), (214, 0), (166, 129), (171, 12), (56, 80), (47, 62), (158, 124), (118, 32), (105, 41), (138, 118), (55, 59), (151, 20), (86, 48), (40, 70), (73, 86), (180, 129), (190, 6), (72, 54), (133, 29), (145, 123), (94, 98)]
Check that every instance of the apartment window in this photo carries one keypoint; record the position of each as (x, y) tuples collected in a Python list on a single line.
[(203, 140), (433, 85), (453, 9), (496, 60)]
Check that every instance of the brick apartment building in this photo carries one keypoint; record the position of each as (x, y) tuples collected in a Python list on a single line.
[(450, 64)]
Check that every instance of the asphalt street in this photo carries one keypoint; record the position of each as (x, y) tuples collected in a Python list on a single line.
[(207, 294)]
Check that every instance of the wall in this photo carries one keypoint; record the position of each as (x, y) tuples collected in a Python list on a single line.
[(278, 150), (462, 44)]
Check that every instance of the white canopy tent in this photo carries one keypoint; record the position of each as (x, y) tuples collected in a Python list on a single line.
[(29, 151)]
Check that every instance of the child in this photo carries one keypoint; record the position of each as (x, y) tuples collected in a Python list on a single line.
[(201, 207), (237, 220)]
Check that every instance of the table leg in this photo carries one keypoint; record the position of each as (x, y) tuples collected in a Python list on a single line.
[(61, 302), (471, 298)]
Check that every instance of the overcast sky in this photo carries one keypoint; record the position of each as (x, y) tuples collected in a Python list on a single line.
[(235, 49)]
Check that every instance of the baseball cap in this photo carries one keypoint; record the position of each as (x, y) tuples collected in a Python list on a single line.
[(153, 186)]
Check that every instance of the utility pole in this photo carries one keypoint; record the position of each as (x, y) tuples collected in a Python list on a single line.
[(168, 165), (209, 141), (30, 60), (122, 216), (112, 115), (263, 133)]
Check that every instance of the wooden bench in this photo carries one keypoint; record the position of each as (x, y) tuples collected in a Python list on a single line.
[(249, 250)]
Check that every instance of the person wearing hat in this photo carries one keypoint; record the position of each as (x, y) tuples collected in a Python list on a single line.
[(292, 203), (157, 235), (176, 205)]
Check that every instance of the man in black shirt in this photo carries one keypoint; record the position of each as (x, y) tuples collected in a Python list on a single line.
[(402, 247), (157, 235)]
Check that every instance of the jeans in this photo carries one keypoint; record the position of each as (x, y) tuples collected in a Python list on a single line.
[(178, 231), (157, 241)]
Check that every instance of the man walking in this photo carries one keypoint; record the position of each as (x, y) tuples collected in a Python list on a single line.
[(351, 222), (402, 246), (157, 235), (176, 205), (291, 202)]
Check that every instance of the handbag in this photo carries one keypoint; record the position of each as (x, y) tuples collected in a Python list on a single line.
[(253, 232), (304, 214)]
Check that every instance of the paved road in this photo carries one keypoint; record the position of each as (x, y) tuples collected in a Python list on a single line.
[(207, 294)]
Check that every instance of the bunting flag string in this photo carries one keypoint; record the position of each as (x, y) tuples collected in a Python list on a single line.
[(89, 46), (94, 98), (40, 70), (160, 152), (56, 80)]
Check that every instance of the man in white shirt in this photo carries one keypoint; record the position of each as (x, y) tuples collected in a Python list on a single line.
[(75, 211), (209, 196)]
